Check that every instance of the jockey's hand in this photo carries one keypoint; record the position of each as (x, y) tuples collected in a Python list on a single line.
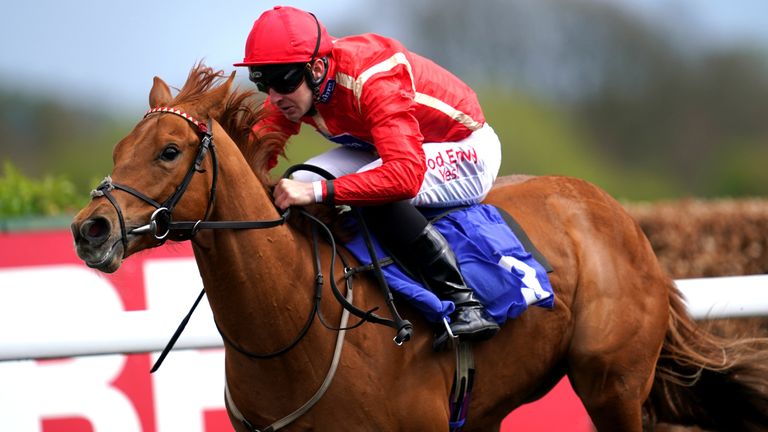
[(291, 192)]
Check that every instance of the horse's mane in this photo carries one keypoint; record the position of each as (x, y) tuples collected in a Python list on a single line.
[(242, 110)]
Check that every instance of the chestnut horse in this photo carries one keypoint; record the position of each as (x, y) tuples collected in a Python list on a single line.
[(619, 329)]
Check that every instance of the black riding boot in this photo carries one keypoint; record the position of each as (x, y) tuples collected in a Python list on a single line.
[(407, 233), (432, 256)]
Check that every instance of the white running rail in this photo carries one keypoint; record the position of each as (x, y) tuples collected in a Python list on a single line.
[(69, 328)]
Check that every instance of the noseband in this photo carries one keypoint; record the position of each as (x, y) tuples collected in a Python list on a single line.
[(161, 221)]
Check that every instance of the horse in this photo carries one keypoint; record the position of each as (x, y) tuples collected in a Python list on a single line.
[(618, 330)]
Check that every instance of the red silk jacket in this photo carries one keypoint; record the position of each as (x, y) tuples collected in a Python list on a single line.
[(378, 96)]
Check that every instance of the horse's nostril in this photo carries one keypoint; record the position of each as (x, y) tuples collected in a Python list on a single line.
[(96, 230)]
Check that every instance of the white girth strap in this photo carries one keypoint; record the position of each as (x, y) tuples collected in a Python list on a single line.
[(285, 421), (231, 404)]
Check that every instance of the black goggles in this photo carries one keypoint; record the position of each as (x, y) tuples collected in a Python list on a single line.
[(283, 79)]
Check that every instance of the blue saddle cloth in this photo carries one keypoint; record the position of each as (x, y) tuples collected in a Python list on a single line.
[(505, 277)]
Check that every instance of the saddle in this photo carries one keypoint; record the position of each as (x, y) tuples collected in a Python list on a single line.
[(496, 257)]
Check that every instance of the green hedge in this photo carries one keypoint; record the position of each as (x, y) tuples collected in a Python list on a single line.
[(21, 196)]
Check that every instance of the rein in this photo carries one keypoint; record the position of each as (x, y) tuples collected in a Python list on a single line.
[(161, 223)]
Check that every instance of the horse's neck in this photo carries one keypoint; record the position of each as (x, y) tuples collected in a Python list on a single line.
[(251, 277)]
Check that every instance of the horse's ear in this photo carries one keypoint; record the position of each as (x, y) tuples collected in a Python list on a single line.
[(160, 95), (217, 98)]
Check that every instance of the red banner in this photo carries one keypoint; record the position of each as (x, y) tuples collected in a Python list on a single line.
[(41, 277)]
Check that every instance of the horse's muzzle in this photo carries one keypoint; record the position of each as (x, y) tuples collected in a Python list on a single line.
[(96, 245)]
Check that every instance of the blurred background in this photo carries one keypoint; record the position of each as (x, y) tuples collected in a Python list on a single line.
[(650, 99), (656, 101)]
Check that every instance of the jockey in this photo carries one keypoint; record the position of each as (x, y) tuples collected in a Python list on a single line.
[(410, 134)]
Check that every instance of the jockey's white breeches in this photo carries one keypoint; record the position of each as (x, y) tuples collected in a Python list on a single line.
[(457, 173)]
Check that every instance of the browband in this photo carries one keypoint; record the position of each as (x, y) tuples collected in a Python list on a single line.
[(201, 126)]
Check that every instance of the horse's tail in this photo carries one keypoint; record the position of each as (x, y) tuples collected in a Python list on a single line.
[(706, 380)]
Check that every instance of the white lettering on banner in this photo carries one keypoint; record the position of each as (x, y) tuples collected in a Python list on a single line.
[(172, 286), (31, 391), (106, 392), (189, 384), (76, 388), (48, 293)]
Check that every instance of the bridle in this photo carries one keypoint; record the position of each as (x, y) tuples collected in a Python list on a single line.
[(161, 221)]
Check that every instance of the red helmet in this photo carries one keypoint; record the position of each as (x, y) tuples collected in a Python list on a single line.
[(285, 34)]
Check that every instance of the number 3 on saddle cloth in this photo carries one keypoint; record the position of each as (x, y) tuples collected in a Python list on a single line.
[(503, 267)]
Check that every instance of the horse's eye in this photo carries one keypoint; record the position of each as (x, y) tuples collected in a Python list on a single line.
[(170, 152)]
